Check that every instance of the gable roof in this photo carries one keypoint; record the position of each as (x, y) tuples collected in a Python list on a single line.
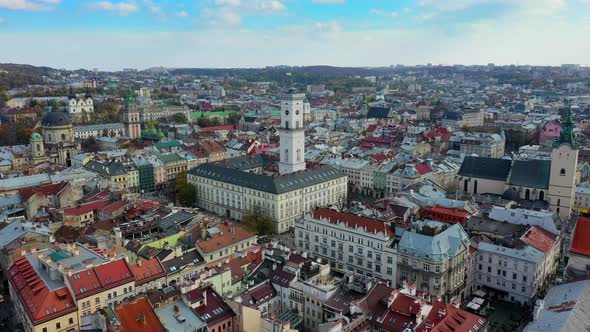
[(138, 315), (114, 273), (531, 173), (580, 243), (41, 303), (485, 168), (47, 189), (353, 221)]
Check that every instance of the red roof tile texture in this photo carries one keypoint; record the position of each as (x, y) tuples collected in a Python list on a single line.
[(539, 238), (40, 303), (138, 316), (229, 235), (354, 221), (48, 189), (147, 270), (580, 243), (85, 208)]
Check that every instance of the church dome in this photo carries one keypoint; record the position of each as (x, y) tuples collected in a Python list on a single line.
[(56, 119), (36, 136)]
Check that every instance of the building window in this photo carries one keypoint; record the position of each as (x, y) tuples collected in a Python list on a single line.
[(58, 325), (71, 321), (562, 172)]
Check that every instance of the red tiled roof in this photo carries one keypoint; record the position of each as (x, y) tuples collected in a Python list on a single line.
[(423, 168), (85, 208), (47, 189), (40, 303), (114, 273), (447, 211), (352, 220), (138, 315), (149, 270), (101, 195), (444, 317), (580, 243), (85, 283), (373, 139), (259, 294), (216, 128), (115, 206), (232, 234), (215, 309), (539, 238)]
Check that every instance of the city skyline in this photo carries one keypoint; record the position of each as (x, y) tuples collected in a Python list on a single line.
[(112, 35)]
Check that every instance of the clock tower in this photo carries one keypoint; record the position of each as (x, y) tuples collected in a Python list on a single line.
[(292, 133)]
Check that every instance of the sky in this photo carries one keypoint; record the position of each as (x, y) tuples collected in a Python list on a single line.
[(116, 34)]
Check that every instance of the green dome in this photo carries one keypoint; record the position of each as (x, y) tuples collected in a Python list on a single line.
[(36, 136)]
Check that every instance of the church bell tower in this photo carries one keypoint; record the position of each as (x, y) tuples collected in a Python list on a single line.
[(564, 161)]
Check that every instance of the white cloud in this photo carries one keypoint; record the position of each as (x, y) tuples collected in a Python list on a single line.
[(2, 20), (122, 8), (29, 4), (328, 1), (524, 6), (383, 13), (229, 13), (501, 41), (182, 14), (153, 8)]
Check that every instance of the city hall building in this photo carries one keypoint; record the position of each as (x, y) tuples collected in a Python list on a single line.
[(234, 187)]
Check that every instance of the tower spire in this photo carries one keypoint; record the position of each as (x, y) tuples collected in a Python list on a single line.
[(567, 130)]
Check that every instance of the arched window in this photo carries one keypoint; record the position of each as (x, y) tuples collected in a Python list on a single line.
[(475, 187), (562, 172), (559, 202), (541, 195), (38, 147), (465, 185), (298, 154), (527, 194), (286, 154), (63, 136)]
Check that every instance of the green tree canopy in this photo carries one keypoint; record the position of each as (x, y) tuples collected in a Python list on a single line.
[(185, 192), (257, 221)]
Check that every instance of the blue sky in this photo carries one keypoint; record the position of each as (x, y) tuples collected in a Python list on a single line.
[(254, 33)]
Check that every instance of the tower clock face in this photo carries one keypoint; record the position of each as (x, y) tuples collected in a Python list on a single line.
[(287, 112)]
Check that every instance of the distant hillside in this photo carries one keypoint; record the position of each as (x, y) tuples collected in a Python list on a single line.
[(16, 75), (300, 75)]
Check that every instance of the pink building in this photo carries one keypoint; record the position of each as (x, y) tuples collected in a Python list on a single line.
[(550, 132)]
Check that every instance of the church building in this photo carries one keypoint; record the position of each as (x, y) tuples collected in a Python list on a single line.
[(56, 143), (552, 181), (80, 108)]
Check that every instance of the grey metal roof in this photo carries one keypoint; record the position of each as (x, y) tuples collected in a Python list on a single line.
[(531, 173), (485, 168), (436, 248), (108, 168), (175, 219), (275, 185)]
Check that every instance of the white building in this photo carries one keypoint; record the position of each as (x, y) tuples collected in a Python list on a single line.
[(80, 108), (349, 242), (512, 273), (99, 130), (233, 191), (292, 134)]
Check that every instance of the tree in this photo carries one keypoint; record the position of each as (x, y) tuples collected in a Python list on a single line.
[(185, 192), (257, 221), (233, 118), (179, 118)]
